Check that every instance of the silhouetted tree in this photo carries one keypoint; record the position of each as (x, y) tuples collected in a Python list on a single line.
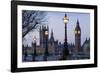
[(31, 20)]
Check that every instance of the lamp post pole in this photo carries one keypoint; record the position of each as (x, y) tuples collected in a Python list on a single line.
[(65, 51), (34, 54), (46, 47)]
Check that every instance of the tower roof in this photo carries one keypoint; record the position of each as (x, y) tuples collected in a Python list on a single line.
[(77, 26), (52, 37)]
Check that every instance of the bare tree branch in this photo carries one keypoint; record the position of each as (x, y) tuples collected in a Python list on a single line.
[(31, 20)]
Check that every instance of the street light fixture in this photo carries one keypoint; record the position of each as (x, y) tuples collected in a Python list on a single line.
[(65, 51), (66, 19)]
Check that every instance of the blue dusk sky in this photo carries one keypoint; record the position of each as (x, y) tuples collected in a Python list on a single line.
[(55, 22)]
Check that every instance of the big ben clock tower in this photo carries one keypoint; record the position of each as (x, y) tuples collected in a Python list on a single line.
[(77, 37)]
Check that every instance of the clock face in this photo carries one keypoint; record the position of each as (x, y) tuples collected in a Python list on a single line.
[(78, 32), (75, 32)]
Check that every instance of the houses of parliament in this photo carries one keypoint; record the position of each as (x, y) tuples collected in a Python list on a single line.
[(54, 47)]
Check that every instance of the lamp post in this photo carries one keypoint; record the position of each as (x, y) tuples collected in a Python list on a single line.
[(46, 47), (34, 45), (65, 50)]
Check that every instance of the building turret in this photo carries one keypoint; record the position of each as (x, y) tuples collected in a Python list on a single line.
[(52, 38)]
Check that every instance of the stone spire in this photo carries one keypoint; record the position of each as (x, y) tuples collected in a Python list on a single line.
[(52, 37), (77, 26)]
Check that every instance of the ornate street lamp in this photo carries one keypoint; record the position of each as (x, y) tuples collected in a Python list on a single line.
[(65, 50), (34, 45), (46, 47)]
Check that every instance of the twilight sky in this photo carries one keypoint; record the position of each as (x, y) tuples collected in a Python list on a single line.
[(55, 22)]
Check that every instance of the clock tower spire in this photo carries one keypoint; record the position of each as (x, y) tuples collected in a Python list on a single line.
[(77, 37)]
